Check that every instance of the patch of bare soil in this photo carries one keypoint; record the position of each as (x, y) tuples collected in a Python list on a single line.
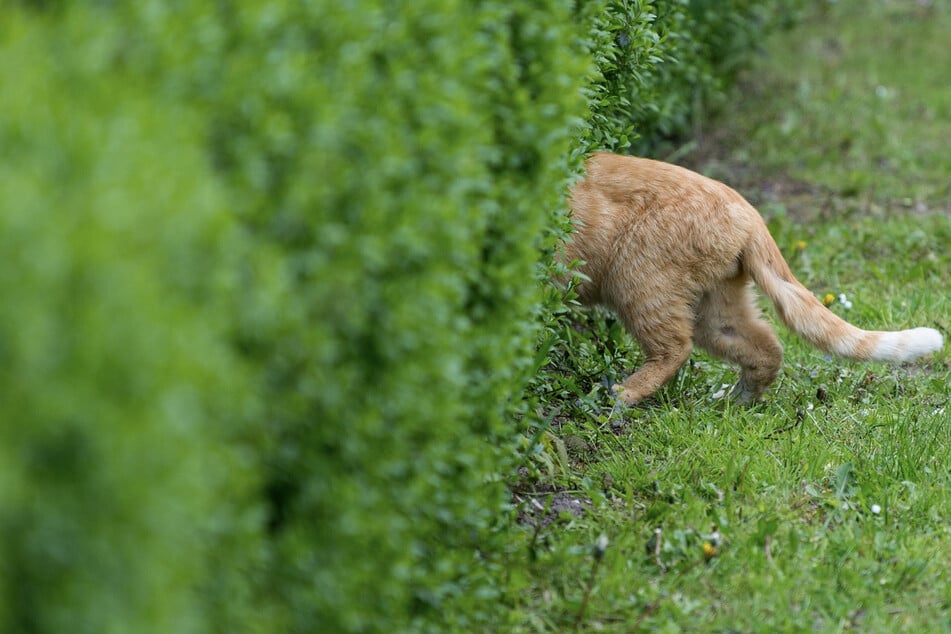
[(712, 152), (541, 508), (803, 201)]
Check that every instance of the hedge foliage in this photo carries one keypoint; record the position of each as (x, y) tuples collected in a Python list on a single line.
[(119, 388), (272, 287)]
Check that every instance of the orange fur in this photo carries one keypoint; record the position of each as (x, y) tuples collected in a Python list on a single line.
[(673, 253)]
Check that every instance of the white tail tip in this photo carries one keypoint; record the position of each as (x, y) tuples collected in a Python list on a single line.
[(907, 345)]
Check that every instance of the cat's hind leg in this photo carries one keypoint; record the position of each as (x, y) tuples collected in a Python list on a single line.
[(665, 338), (728, 326)]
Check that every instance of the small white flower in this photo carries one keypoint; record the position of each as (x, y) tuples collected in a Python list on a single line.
[(876, 509), (846, 304)]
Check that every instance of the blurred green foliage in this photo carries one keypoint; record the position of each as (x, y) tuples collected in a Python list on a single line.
[(121, 487), (272, 287)]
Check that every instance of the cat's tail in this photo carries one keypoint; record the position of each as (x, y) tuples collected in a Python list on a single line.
[(804, 313)]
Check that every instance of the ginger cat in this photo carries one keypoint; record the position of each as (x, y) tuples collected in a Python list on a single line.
[(673, 252)]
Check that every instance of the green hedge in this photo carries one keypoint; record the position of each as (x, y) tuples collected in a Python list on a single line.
[(395, 168), (271, 294), (119, 387), (664, 64)]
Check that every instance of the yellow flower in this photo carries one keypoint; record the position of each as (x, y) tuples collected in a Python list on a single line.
[(709, 551), (801, 245), (828, 299)]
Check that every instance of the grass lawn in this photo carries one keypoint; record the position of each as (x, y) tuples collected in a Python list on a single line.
[(827, 507)]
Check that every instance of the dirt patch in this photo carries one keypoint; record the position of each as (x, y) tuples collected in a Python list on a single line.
[(803, 201), (714, 151), (543, 508)]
